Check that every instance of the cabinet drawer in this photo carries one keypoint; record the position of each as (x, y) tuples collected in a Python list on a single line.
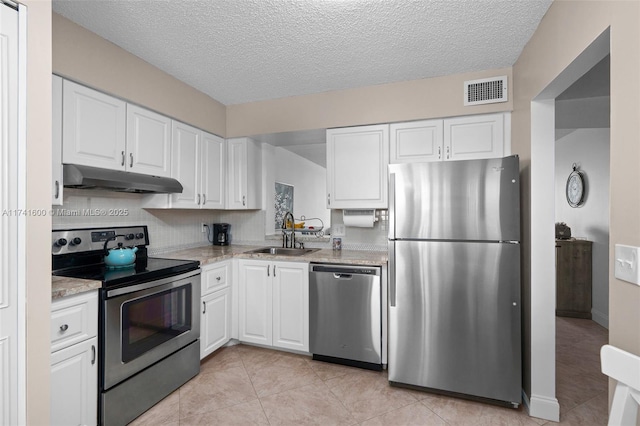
[(73, 320), (216, 277)]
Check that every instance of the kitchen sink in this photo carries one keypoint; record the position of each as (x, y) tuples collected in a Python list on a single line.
[(284, 251)]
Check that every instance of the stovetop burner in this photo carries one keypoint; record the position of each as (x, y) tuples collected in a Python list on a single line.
[(78, 253)]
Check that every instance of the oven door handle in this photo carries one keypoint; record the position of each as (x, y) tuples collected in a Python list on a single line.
[(151, 284)]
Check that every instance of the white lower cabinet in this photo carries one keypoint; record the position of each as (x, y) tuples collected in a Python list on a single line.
[(74, 360), (216, 307), (274, 303), (74, 384)]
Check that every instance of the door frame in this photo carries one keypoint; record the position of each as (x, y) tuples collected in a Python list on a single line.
[(543, 402)]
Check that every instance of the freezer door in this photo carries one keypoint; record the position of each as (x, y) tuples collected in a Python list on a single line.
[(454, 317), (455, 200)]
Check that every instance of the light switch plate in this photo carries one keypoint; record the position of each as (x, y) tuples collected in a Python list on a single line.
[(338, 230), (626, 263)]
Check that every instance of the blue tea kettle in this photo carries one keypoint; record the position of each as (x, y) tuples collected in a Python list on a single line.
[(119, 256)]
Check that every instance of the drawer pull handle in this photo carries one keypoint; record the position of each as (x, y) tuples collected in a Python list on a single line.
[(93, 354), (218, 278), (64, 327), (204, 307)]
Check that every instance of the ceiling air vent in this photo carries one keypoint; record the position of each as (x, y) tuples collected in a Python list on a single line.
[(485, 91)]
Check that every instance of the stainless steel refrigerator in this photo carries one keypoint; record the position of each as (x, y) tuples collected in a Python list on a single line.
[(454, 286)]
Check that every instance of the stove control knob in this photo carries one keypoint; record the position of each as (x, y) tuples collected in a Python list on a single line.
[(60, 242), (139, 235), (129, 237), (76, 241)]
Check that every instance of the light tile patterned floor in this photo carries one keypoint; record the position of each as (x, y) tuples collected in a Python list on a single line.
[(245, 385)]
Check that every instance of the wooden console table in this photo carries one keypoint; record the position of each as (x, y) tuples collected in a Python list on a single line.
[(573, 278)]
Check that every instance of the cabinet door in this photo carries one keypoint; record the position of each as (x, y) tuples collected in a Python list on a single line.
[(473, 137), (214, 167), (74, 385), (185, 164), (357, 160), (56, 143), (291, 305), (93, 128), (255, 295), (148, 142), (237, 184), (417, 141), (215, 324)]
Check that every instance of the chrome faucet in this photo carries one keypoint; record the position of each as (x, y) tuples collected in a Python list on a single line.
[(288, 242)]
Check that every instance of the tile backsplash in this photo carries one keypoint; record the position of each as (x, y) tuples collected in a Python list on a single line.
[(171, 229)]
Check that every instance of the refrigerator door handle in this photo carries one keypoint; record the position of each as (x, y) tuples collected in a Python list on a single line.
[(392, 205), (392, 274)]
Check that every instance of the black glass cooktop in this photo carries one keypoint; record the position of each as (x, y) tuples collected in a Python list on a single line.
[(145, 270)]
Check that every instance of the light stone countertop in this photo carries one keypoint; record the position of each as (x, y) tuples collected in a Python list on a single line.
[(63, 286)]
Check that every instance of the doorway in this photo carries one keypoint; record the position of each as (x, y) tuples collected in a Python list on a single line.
[(544, 398)]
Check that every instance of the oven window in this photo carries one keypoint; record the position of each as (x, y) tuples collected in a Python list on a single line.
[(152, 320)]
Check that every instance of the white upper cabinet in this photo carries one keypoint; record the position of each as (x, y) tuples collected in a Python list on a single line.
[(213, 165), (416, 141), (357, 160), (93, 128), (476, 136), (148, 142), (102, 131), (244, 187), (56, 143), (185, 164), (459, 138), (198, 163)]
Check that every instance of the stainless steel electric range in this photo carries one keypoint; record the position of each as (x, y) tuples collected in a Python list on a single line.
[(149, 325)]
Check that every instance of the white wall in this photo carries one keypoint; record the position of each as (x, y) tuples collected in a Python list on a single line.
[(589, 149)]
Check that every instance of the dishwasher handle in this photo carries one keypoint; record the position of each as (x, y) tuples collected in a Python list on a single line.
[(342, 276), (341, 270)]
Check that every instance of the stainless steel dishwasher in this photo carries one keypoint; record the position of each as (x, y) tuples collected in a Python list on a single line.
[(345, 315)]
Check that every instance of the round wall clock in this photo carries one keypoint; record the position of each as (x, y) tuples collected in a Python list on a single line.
[(576, 188)]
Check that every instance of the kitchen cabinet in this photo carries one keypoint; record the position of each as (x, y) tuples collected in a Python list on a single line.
[(244, 186), (216, 293), (93, 128), (198, 163), (74, 362), (475, 136), (458, 138), (573, 278), (274, 303), (56, 142), (148, 142), (416, 141), (99, 130), (357, 160)]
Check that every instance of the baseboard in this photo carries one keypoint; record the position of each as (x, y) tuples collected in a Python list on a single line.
[(600, 318), (542, 407)]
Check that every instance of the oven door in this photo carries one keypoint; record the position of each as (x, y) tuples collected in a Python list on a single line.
[(144, 323)]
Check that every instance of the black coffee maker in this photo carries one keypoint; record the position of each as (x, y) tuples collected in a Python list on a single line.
[(221, 234)]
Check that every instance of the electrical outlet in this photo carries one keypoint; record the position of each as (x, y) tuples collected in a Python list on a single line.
[(203, 227), (339, 230)]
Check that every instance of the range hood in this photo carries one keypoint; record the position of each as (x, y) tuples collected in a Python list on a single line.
[(85, 177)]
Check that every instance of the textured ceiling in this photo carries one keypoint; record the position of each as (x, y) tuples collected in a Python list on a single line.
[(239, 51)]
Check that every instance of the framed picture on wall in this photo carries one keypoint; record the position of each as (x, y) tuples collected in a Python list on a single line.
[(283, 202)]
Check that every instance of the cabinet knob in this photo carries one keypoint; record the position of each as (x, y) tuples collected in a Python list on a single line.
[(64, 327), (218, 278)]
